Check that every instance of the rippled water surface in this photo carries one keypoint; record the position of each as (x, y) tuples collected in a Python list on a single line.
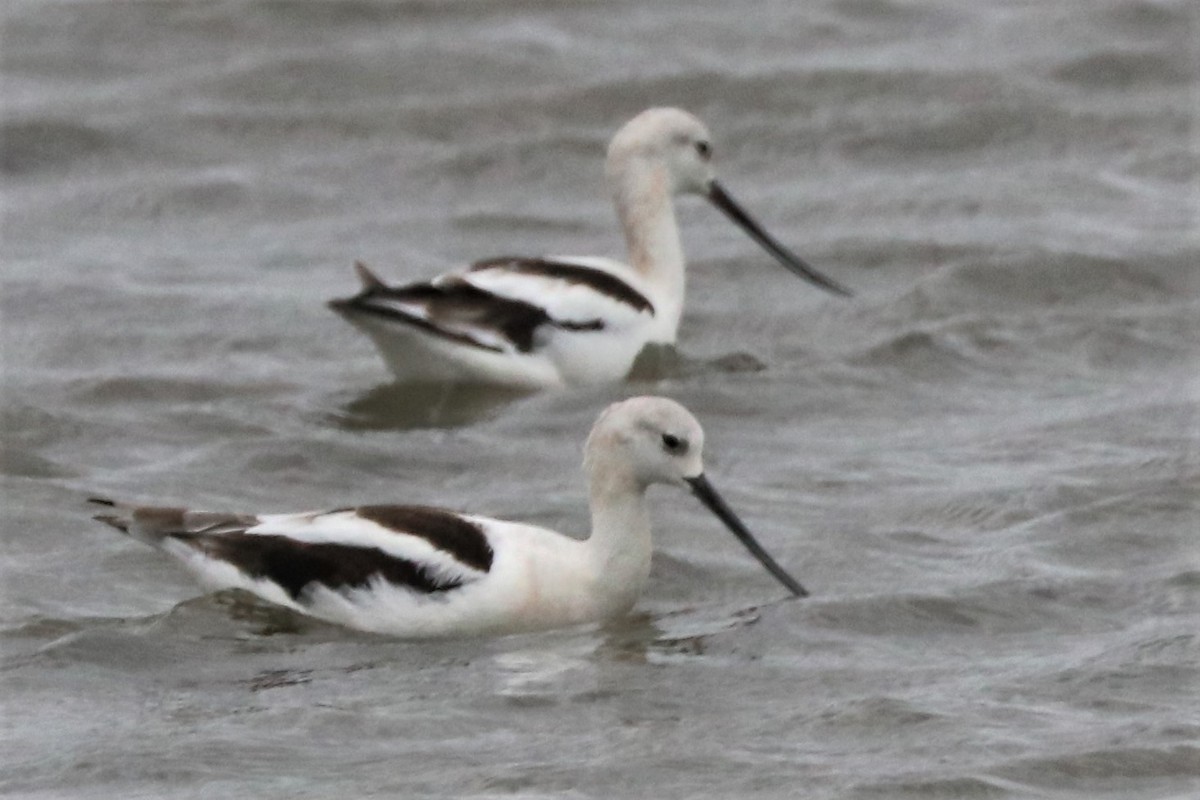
[(985, 466)]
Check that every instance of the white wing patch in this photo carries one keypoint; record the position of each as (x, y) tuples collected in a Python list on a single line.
[(579, 291), (347, 527)]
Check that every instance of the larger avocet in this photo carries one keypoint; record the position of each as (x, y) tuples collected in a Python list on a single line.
[(555, 321), (415, 571)]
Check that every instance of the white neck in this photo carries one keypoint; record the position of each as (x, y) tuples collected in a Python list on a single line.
[(644, 200), (619, 548)]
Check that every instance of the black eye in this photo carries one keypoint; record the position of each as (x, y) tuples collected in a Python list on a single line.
[(673, 444), (704, 149)]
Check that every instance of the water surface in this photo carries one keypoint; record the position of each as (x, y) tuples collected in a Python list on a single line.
[(984, 466)]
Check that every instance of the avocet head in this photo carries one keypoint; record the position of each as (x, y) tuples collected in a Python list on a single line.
[(667, 137), (672, 145), (656, 440)]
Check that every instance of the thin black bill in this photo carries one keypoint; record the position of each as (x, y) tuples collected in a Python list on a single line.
[(708, 495), (721, 199)]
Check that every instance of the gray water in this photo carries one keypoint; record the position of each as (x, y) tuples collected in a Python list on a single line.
[(985, 466)]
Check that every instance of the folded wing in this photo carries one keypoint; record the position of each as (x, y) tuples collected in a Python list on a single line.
[(508, 304), (424, 550)]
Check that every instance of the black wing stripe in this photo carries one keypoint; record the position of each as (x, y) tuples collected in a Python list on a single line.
[(451, 303), (595, 279), (448, 532), (295, 566), (453, 306)]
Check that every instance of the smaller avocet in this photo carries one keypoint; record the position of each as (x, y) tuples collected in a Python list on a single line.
[(564, 320), (416, 571)]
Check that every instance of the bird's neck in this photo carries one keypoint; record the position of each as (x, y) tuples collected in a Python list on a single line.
[(619, 546), (645, 206)]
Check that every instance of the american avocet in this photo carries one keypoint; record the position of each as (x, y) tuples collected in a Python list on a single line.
[(416, 571), (545, 322)]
